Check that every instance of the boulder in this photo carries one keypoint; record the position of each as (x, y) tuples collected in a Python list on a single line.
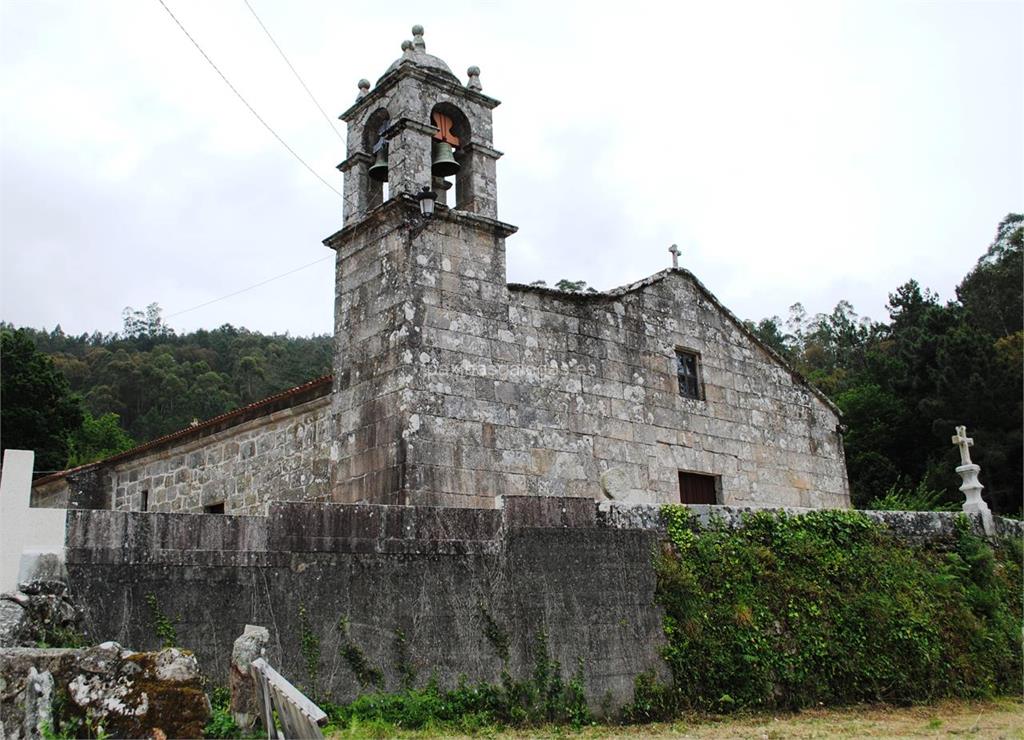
[(127, 694)]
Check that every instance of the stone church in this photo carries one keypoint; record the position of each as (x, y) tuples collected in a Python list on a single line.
[(451, 387)]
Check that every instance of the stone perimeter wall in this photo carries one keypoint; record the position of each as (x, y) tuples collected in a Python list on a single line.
[(282, 456), (446, 579)]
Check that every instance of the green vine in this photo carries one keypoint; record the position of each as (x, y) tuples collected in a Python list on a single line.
[(496, 636), (366, 673), (309, 647), (164, 628), (828, 607), (406, 669)]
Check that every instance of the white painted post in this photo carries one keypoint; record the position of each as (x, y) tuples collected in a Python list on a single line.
[(27, 535)]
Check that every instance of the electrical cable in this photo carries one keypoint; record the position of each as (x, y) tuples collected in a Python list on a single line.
[(256, 285), (404, 224), (294, 72), (246, 102)]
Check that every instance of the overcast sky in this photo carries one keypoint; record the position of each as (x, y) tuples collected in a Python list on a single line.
[(805, 152)]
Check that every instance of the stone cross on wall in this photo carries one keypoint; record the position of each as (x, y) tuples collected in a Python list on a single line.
[(971, 487), (675, 252), (961, 440)]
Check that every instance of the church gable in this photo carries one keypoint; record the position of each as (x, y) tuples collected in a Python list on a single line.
[(746, 419)]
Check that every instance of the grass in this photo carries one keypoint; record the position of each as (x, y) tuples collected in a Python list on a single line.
[(999, 718)]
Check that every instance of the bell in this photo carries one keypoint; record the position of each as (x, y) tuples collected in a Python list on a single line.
[(443, 160), (379, 169)]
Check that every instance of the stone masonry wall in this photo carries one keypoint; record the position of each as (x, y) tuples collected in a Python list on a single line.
[(400, 290), (525, 391), (282, 456), (371, 307)]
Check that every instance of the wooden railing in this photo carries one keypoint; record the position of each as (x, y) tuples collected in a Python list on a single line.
[(299, 717)]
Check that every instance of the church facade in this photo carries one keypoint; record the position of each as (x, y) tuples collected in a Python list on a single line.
[(452, 387)]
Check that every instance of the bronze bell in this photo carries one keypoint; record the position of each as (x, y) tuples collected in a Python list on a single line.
[(443, 162), (379, 169)]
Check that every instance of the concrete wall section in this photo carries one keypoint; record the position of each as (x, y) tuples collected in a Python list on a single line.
[(364, 575), (23, 529)]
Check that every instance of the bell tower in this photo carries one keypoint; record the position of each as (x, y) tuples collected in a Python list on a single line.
[(416, 128), (416, 295)]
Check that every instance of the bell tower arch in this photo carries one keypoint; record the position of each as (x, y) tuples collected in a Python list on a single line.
[(416, 296)]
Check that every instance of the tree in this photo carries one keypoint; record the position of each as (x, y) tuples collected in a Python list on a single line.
[(904, 385), (39, 412), (574, 286), (148, 324), (98, 438), (769, 331), (992, 292)]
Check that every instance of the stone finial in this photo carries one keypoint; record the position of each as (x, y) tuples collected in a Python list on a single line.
[(417, 38), (407, 49), (364, 89), (675, 252), (474, 78)]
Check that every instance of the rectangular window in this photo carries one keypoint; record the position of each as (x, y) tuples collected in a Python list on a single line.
[(144, 501), (688, 373), (697, 488), (214, 508)]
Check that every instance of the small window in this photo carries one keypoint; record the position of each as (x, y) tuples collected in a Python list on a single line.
[(214, 508), (697, 488), (144, 501), (688, 373)]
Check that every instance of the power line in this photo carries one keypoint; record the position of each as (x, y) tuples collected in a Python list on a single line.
[(256, 285), (246, 102), (294, 72), (391, 230)]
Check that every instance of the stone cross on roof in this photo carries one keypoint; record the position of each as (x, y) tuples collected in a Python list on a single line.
[(675, 251), (961, 440)]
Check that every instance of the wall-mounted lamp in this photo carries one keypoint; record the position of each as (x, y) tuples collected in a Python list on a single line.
[(426, 198)]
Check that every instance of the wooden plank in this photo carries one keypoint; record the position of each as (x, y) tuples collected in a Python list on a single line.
[(298, 715)]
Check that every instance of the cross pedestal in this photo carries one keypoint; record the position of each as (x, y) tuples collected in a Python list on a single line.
[(971, 488)]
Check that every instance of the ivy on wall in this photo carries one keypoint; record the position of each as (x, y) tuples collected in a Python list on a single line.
[(790, 611)]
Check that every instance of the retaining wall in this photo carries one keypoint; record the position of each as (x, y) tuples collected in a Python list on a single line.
[(455, 584)]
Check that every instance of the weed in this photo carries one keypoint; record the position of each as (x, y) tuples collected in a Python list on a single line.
[(366, 673), (309, 646), (61, 637), (162, 624), (494, 633), (473, 708), (406, 669)]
